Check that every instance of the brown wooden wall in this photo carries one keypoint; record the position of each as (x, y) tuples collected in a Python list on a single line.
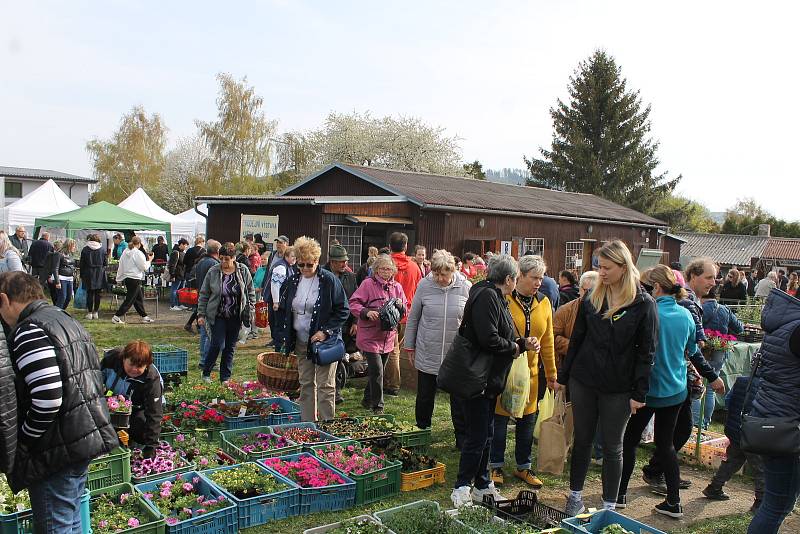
[(224, 220), (337, 182), (382, 209), (671, 248)]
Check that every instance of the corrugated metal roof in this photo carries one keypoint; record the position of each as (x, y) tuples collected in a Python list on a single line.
[(726, 249), (21, 172), (444, 191), (782, 248)]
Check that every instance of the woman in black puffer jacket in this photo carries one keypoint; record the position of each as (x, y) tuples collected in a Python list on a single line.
[(64, 273), (778, 396), (489, 327)]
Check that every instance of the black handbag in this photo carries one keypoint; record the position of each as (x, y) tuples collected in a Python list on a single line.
[(327, 352), (769, 436), (389, 314), (465, 369)]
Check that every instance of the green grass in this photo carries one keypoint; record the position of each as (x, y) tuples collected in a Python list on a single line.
[(168, 330)]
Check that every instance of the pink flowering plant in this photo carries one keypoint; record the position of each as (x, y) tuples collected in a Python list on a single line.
[(118, 404), (251, 442), (306, 471), (182, 499), (350, 458), (716, 340), (203, 454), (191, 415), (248, 390), (116, 513), (301, 434), (164, 460)]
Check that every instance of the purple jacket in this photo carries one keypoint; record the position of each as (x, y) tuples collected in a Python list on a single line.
[(370, 296)]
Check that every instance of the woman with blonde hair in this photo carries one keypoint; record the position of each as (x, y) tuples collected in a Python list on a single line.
[(667, 389), (64, 272), (9, 256), (607, 368), (315, 308), (366, 268)]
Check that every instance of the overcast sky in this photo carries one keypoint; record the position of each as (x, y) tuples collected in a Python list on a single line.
[(722, 77)]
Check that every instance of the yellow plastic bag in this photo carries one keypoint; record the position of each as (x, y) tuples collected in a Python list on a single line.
[(546, 406), (514, 398)]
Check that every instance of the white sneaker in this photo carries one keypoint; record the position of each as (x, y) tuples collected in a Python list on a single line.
[(147, 319), (184, 308), (478, 494), (90, 316), (117, 320), (175, 308), (96, 315), (460, 496)]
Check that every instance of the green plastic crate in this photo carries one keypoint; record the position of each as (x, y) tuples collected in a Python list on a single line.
[(370, 487), (230, 448), (151, 522), (414, 438), (109, 470)]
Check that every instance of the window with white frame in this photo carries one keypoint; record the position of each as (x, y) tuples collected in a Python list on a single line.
[(574, 257), (533, 244), (350, 238)]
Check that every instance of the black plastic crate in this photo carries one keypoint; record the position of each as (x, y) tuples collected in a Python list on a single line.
[(526, 508)]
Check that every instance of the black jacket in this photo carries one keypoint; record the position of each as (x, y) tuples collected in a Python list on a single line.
[(731, 292), (38, 253), (82, 430), (779, 393), (330, 311), (145, 392), (176, 266), (349, 285), (751, 286), (613, 355), (489, 326), (735, 402), (160, 252), (93, 268), (191, 257), (63, 265), (568, 294), (20, 244), (8, 407)]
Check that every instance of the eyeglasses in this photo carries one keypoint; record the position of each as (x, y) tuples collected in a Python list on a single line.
[(306, 265)]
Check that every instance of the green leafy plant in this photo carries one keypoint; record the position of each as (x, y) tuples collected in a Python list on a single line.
[(247, 480), (424, 519), (10, 503), (359, 526)]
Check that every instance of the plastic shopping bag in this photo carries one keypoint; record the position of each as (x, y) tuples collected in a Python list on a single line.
[(515, 396), (554, 439), (80, 299), (546, 406)]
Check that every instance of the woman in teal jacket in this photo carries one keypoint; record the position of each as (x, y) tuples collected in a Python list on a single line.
[(668, 387)]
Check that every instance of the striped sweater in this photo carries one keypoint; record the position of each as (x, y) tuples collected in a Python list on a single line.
[(35, 360)]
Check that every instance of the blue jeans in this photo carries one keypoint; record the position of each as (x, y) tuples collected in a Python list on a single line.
[(709, 397), (224, 335), (203, 344), (474, 462), (56, 500), (64, 295), (173, 295), (523, 441), (782, 486)]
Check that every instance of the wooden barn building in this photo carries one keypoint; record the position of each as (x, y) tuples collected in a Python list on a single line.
[(361, 206)]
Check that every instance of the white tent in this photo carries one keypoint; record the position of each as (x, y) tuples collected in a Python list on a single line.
[(46, 200), (198, 220), (140, 202)]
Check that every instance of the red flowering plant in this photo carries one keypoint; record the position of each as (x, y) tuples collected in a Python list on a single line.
[(249, 389), (194, 415), (182, 499), (716, 340), (306, 471)]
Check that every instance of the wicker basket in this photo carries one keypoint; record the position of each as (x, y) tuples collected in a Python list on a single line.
[(279, 360), (283, 378)]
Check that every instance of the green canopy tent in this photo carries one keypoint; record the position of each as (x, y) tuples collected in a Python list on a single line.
[(101, 216)]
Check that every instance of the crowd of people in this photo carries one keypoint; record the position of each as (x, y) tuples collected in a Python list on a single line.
[(626, 348)]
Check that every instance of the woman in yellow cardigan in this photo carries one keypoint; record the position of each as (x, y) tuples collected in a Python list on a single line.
[(533, 317)]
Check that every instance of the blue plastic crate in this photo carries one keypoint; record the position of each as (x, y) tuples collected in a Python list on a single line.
[(170, 359), (264, 508), (327, 439), (220, 521), (291, 411), (597, 521), (326, 498), (245, 421), (22, 522)]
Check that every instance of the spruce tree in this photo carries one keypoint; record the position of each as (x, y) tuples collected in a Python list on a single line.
[(601, 142)]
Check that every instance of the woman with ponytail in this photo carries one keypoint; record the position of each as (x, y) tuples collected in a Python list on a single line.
[(667, 393), (607, 368)]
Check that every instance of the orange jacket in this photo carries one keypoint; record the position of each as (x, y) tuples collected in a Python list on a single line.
[(563, 321), (408, 275)]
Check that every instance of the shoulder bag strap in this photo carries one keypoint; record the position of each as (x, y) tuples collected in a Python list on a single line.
[(756, 365)]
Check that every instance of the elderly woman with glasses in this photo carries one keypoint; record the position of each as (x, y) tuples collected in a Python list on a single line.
[(226, 302), (315, 308)]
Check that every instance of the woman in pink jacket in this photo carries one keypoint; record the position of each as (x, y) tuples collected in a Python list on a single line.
[(374, 342)]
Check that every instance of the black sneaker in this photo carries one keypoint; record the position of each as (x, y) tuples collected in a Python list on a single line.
[(715, 494), (622, 502), (392, 392), (684, 484), (671, 510), (657, 484)]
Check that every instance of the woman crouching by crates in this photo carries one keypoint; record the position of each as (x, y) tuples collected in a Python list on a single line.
[(130, 372)]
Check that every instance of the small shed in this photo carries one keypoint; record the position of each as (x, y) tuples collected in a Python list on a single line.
[(729, 250)]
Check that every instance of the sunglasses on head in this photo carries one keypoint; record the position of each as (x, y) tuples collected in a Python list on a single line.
[(305, 265)]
